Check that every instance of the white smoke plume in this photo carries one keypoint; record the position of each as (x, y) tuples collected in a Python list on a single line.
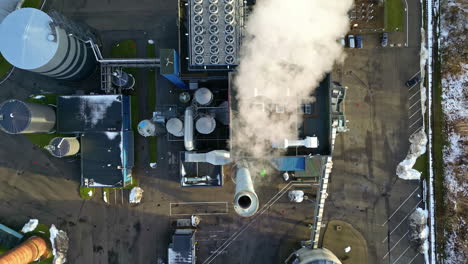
[(288, 48)]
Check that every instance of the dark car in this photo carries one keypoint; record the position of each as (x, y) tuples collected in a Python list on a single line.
[(359, 41), (384, 39), (413, 81)]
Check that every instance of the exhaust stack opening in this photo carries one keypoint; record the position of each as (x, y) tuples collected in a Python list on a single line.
[(244, 202)]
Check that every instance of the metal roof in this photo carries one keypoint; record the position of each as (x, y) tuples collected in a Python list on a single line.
[(87, 113), (15, 116), (181, 250), (106, 157), (27, 31)]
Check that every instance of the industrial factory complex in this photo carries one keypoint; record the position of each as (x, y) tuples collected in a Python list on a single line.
[(120, 129)]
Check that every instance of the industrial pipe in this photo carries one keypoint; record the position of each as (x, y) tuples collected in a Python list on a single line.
[(188, 125), (27, 252), (215, 157), (308, 142), (245, 200)]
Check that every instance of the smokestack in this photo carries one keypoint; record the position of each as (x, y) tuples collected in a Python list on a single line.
[(245, 200), (27, 252)]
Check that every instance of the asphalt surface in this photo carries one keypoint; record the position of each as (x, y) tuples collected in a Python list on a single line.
[(364, 189)]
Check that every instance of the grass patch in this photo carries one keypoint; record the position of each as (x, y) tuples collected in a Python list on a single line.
[(439, 140), (84, 192), (128, 49), (32, 3), (151, 53), (43, 139), (5, 67), (3, 249), (135, 183), (421, 165), (394, 13)]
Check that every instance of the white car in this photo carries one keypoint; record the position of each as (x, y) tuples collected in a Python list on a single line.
[(351, 43)]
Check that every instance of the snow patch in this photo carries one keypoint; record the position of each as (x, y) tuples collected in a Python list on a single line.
[(30, 226), (90, 193), (417, 148), (419, 231), (104, 196), (96, 106), (37, 96), (347, 249), (135, 195), (59, 241), (111, 135)]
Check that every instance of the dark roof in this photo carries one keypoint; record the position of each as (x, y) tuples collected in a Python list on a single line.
[(106, 157), (9, 238), (85, 113), (181, 249)]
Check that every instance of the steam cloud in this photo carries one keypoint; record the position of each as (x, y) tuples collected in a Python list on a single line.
[(289, 46)]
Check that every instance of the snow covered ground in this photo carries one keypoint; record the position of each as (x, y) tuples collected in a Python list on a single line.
[(453, 49)]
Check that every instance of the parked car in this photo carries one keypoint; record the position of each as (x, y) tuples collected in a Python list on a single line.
[(413, 81), (359, 41), (351, 41), (384, 39)]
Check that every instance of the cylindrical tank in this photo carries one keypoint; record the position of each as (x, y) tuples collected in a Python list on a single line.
[(35, 43), (63, 146), (307, 255), (6, 7), (245, 200), (17, 117), (175, 127), (203, 96), (122, 80), (27, 252), (146, 128), (188, 129), (205, 124)]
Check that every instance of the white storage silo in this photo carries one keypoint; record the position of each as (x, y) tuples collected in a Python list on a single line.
[(36, 43), (17, 117), (63, 146), (203, 96), (6, 7), (205, 124), (175, 126)]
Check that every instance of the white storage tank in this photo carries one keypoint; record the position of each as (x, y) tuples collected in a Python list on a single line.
[(175, 126), (63, 146), (146, 128), (35, 43), (17, 117), (203, 96), (205, 124)]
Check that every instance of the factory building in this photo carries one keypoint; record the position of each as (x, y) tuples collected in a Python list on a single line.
[(47, 44), (99, 129), (182, 248)]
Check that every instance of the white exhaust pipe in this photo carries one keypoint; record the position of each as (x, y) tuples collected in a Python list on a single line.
[(246, 200), (188, 133), (308, 142), (215, 157)]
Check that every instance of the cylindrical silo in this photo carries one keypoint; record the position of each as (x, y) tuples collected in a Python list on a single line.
[(307, 255), (175, 126), (63, 146), (123, 80), (146, 128), (17, 117), (245, 200), (35, 43), (203, 96), (205, 124), (6, 7)]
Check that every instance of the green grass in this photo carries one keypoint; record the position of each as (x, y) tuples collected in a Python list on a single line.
[(421, 165), (32, 3), (43, 139), (151, 53), (84, 192), (3, 249), (5, 67), (128, 49), (439, 141), (394, 13)]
